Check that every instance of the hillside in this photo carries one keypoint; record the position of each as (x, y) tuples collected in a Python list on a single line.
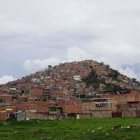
[(84, 78), (82, 89)]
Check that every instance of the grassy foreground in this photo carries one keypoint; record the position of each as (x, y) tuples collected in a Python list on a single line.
[(71, 129)]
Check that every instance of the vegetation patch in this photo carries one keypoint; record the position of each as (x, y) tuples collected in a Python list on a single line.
[(71, 129)]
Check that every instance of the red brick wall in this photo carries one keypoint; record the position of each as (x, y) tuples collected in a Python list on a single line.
[(36, 91), (3, 116), (72, 109), (42, 107), (7, 98)]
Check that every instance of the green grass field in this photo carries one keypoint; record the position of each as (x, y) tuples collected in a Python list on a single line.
[(71, 129)]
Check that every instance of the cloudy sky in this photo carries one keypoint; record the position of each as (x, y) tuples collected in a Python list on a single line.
[(35, 33)]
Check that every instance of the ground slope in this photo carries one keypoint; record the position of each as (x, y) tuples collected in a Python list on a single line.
[(83, 129), (82, 76)]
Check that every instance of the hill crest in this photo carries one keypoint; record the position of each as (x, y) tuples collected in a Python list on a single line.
[(87, 76)]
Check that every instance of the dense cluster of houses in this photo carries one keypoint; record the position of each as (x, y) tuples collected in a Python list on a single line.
[(105, 105), (59, 93)]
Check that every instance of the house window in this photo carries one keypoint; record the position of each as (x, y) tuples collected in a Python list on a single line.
[(52, 108), (101, 105)]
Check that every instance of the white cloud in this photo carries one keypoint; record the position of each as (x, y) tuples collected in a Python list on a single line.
[(5, 79), (72, 54), (38, 64), (129, 72), (76, 53), (69, 30), (116, 58)]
